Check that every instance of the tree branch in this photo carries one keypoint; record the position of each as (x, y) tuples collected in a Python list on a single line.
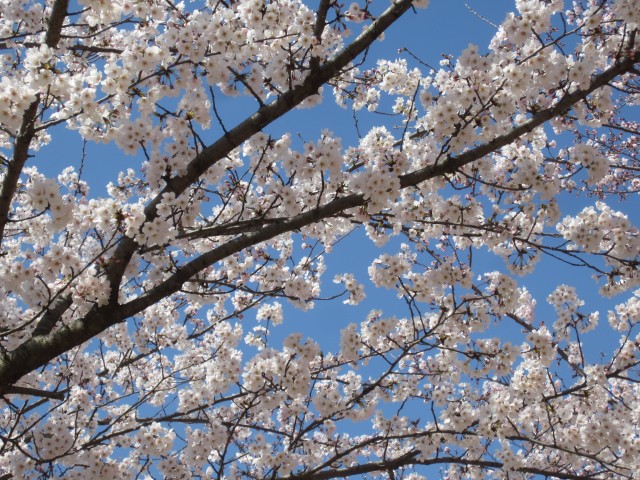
[(54, 29), (15, 390), (252, 125), (27, 128), (14, 169), (52, 315), (411, 458)]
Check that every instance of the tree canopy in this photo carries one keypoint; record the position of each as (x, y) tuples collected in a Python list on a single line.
[(150, 330)]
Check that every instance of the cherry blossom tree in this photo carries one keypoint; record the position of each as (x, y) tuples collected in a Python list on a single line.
[(142, 329)]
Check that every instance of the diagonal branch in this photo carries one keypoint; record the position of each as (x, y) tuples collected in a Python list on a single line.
[(252, 125), (14, 168), (453, 163), (27, 130), (411, 458), (36, 392), (52, 315)]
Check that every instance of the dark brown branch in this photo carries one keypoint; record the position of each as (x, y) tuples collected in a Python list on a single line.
[(402, 461), (14, 169), (95, 49), (54, 29), (411, 459), (321, 22), (27, 128), (451, 164), (52, 315), (34, 392)]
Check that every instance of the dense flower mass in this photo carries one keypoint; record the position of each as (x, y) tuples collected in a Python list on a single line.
[(151, 308)]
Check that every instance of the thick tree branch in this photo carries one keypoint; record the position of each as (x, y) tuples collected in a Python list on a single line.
[(52, 315), (54, 29), (321, 22), (408, 458), (27, 129), (453, 163), (411, 458), (35, 392), (14, 169)]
